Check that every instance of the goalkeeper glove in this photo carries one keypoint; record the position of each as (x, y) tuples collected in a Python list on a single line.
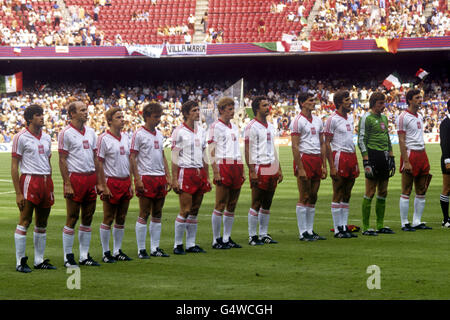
[(368, 169), (391, 166)]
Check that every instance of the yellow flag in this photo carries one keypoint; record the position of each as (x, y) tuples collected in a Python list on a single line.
[(383, 43)]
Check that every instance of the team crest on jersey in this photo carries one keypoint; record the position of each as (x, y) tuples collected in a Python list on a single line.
[(383, 127), (419, 126), (156, 142), (233, 137), (86, 144), (122, 150), (41, 149), (349, 128), (313, 130)]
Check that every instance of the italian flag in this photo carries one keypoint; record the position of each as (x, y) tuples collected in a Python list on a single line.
[(12, 83), (421, 73), (392, 81)]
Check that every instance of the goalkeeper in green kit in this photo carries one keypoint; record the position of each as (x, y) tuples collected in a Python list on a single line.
[(378, 160)]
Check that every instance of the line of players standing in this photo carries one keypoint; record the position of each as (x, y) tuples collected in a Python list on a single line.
[(92, 166)]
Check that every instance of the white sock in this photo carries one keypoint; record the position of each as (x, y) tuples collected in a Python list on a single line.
[(300, 210), (118, 231), (404, 207), (263, 219), (141, 233), (39, 239), (68, 238), (105, 234), (310, 213), (228, 219), (345, 209), (155, 233), (180, 228), (336, 212), (216, 222), (419, 206), (191, 231), (252, 222), (84, 237), (20, 240)]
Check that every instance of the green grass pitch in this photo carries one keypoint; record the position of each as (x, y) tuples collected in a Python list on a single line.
[(412, 265)]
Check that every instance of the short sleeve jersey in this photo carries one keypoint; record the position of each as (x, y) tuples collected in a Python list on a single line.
[(340, 128), (226, 138), (260, 138), (33, 152), (412, 126), (114, 152), (309, 131), (190, 144), (148, 147), (80, 147)]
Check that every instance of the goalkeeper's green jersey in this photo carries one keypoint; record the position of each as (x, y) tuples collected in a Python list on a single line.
[(373, 133)]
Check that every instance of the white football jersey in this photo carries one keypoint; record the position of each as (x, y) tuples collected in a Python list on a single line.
[(114, 152), (33, 151), (149, 150), (309, 133), (80, 146), (341, 129), (412, 126), (226, 138), (190, 144), (261, 142)]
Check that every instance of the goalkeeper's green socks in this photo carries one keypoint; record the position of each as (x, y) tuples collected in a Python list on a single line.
[(366, 205), (380, 208)]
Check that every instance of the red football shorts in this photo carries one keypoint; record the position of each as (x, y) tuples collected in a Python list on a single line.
[(267, 176), (346, 164), (193, 180), (312, 163), (419, 162), (232, 174), (38, 189), (84, 186), (120, 189), (155, 187)]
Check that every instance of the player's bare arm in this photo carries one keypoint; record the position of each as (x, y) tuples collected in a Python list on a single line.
[(323, 154), (68, 190), (101, 181), (301, 173), (216, 173), (167, 171), (404, 153), (329, 156), (251, 166), (134, 171), (175, 168), (20, 200)]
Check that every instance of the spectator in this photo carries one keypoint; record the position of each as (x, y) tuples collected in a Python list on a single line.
[(205, 22), (187, 38)]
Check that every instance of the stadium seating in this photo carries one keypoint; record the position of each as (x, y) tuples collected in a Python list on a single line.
[(118, 19), (141, 22), (239, 19), (18, 19)]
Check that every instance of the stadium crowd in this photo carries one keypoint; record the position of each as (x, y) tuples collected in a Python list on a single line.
[(282, 94), (369, 19), (29, 23)]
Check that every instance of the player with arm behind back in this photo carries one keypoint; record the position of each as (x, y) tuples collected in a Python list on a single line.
[(31, 152)]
